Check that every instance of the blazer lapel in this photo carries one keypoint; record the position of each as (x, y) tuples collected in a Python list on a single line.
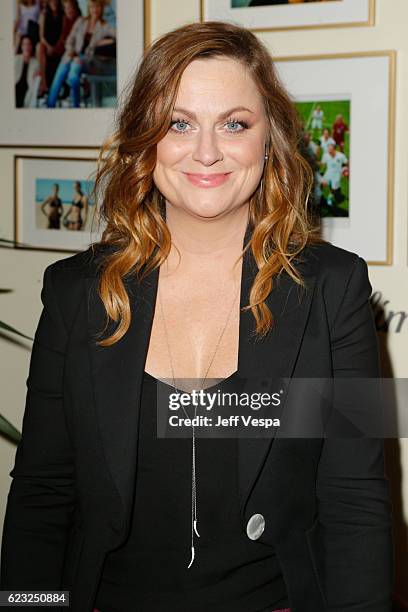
[(272, 358), (117, 371)]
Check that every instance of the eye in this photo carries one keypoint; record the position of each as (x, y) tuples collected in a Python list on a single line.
[(175, 122), (243, 124)]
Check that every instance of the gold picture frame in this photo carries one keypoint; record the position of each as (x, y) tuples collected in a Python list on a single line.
[(34, 179), (383, 177), (81, 128), (278, 13)]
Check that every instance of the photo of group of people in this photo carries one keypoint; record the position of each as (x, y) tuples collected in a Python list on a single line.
[(63, 204), (326, 145), (65, 53)]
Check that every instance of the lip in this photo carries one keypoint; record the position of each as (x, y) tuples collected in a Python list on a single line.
[(207, 180)]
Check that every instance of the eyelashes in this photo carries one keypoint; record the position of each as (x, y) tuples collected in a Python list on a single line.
[(243, 124)]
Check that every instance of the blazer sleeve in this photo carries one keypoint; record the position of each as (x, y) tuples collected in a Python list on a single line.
[(354, 508), (41, 499)]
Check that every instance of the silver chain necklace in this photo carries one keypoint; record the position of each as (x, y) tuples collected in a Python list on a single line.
[(193, 468)]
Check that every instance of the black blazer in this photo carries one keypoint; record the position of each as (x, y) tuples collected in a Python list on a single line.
[(325, 502)]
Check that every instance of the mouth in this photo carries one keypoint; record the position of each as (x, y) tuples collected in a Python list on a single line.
[(207, 180)]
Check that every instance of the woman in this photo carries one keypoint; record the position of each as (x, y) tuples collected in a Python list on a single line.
[(26, 75), (73, 219), (71, 13), (51, 61), (26, 22), (88, 33), (54, 210), (205, 203), (50, 23)]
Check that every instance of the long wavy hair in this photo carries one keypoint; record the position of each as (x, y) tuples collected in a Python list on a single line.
[(134, 210)]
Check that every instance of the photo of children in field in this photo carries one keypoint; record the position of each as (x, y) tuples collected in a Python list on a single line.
[(326, 145)]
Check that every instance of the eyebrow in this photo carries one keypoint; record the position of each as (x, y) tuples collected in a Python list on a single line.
[(185, 111)]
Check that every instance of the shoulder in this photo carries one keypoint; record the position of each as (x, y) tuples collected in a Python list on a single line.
[(80, 21), (341, 276), (82, 264), (327, 259), (64, 280), (334, 268)]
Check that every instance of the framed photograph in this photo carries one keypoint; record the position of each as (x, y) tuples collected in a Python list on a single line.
[(60, 82), (346, 103), (326, 145), (264, 15), (53, 205)]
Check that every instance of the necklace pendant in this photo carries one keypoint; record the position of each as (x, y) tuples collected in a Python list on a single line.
[(192, 557)]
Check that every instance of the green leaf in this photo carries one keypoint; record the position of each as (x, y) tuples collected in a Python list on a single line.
[(8, 430), (14, 330)]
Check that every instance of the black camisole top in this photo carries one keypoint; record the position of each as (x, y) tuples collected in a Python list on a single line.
[(148, 572)]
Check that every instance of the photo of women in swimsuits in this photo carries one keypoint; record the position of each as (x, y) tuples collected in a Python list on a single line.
[(73, 219), (63, 204), (52, 208)]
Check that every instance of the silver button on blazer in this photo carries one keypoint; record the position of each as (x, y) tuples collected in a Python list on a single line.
[(322, 504)]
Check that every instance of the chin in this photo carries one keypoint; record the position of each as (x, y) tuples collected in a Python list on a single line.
[(207, 211)]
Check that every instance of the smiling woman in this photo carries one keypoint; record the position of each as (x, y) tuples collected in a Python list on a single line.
[(208, 267), (230, 143)]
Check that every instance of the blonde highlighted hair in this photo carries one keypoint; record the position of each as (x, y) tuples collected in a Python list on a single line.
[(132, 207)]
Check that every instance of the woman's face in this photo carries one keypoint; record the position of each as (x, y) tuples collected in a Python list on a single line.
[(26, 46), (69, 9), (95, 10), (212, 158)]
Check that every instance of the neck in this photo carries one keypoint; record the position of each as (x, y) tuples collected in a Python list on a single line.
[(203, 242)]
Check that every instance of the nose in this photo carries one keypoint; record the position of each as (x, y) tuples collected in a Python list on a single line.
[(206, 149)]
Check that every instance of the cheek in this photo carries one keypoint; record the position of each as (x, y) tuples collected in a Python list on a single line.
[(248, 153), (168, 160), (170, 151)]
